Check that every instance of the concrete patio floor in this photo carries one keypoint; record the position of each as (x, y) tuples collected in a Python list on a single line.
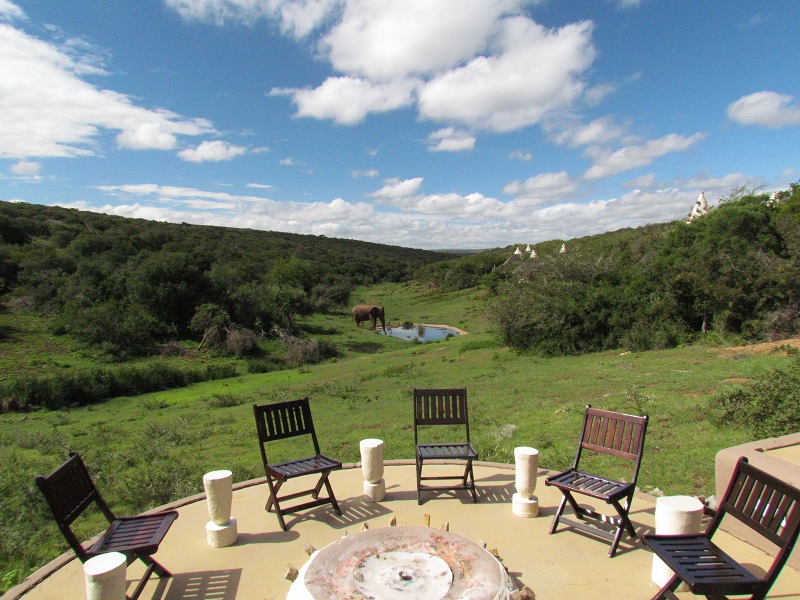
[(567, 565)]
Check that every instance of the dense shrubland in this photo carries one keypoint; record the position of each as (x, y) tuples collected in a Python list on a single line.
[(734, 272), (128, 285)]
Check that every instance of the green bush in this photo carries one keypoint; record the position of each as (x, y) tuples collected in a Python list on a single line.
[(96, 385), (768, 406)]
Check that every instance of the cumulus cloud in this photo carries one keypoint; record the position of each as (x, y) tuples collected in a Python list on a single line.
[(296, 17), (606, 163), (535, 72), (348, 100), (767, 109), (47, 109), (398, 39), (213, 151), (396, 188), (599, 132), (401, 216), (450, 140), (479, 64), (543, 188), (26, 169)]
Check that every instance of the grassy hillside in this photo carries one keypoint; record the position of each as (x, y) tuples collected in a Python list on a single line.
[(148, 449)]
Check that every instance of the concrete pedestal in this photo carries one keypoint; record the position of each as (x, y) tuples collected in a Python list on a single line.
[(675, 515), (372, 469), (375, 492), (220, 536), (221, 530), (105, 576), (526, 463)]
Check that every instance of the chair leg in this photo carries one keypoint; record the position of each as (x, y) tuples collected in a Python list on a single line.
[(329, 488), (153, 566), (419, 480), (273, 493), (559, 512), (623, 524), (666, 592), (471, 481)]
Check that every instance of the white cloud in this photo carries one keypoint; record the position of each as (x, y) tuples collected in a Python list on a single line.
[(213, 151), (450, 140), (296, 17), (606, 163), (46, 109), (397, 39), (395, 188), (367, 173), (535, 72), (27, 169), (520, 155), (543, 188), (767, 109), (401, 216), (291, 162), (348, 100), (260, 186), (599, 132), (10, 11)]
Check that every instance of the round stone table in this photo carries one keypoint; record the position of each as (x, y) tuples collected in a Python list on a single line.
[(402, 563)]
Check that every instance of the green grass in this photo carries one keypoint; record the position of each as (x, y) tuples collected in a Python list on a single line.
[(147, 449)]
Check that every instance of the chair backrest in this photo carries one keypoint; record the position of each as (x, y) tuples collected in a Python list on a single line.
[(284, 420), (613, 433), (69, 491), (765, 504), (440, 407)]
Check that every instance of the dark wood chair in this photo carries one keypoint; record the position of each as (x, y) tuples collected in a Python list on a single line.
[(284, 420), (434, 407), (766, 505), (69, 491), (617, 435)]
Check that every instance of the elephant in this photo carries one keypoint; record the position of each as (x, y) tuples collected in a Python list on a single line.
[(362, 312)]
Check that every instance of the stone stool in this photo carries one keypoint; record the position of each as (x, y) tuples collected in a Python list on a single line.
[(526, 461), (104, 575), (372, 469), (675, 515), (221, 530)]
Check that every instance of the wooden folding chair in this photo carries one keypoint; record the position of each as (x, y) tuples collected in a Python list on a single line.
[(69, 491), (615, 434), (446, 407), (766, 505), (284, 420)]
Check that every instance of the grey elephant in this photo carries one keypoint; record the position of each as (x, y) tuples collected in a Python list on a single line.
[(362, 312)]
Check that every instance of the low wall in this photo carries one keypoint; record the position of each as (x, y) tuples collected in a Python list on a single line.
[(778, 456)]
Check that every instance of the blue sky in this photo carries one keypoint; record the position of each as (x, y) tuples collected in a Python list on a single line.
[(419, 123)]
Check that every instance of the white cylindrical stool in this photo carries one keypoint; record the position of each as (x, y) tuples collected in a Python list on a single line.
[(372, 469), (523, 502), (675, 515), (105, 576), (221, 530)]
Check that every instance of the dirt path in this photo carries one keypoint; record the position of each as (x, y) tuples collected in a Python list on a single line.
[(762, 348)]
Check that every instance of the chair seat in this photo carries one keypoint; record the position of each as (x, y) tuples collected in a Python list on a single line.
[(590, 485), (128, 535), (445, 451), (703, 565), (303, 466)]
